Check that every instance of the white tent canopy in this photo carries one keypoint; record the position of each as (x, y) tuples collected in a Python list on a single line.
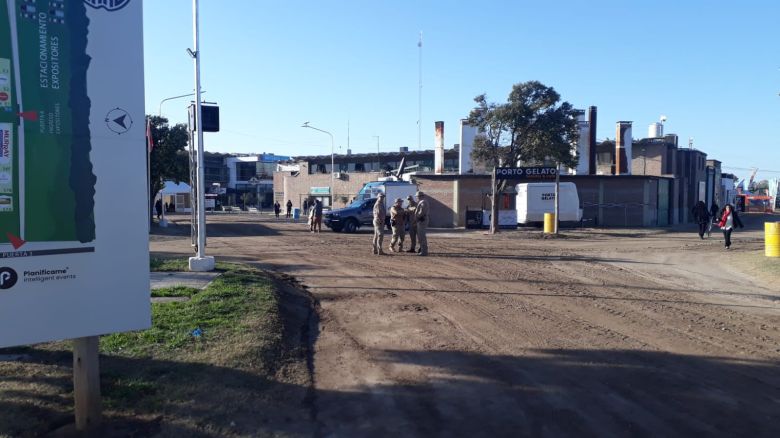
[(176, 195), (171, 188)]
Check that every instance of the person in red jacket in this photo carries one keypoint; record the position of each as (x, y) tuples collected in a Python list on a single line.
[(728, 220)]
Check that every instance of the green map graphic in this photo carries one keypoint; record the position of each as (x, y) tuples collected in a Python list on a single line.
[(47, 185)]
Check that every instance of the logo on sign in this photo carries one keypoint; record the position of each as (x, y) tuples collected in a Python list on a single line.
[(8, 278), (109, 5)]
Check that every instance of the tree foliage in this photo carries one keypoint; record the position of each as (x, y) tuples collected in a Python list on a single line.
[(169, 159), (533, 126)]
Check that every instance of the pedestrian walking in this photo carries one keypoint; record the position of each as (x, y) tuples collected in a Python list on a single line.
[(380, 212), (277, 209), (316, 216), (421, 212), (289, 209), (728, 221), (158, 208), (701, 216), (398, 225), (412, 220), (714, 210)]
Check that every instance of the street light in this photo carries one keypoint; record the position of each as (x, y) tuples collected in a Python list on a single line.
[(159, 111), (332, 160)]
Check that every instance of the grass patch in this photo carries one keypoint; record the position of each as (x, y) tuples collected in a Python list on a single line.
[(168, 265), (120, 392), (211, 314), (238, 378), (175, 291)]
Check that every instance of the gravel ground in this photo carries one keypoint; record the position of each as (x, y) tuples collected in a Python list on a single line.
[(594, 333)]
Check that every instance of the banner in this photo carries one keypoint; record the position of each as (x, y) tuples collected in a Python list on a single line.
[(73, 226)]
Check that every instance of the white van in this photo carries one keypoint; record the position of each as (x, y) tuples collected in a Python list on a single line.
[(536, 199)]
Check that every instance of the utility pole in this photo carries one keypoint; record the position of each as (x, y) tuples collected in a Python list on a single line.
[(378, 158), (419, 96)]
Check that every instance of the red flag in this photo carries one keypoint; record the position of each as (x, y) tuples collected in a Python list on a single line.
[(149, 140)]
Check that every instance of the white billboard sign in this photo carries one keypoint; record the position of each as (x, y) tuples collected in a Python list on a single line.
[(73, 217)]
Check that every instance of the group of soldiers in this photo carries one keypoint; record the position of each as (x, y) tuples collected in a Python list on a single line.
[(416, 215)]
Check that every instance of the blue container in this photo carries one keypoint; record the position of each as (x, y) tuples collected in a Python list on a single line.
[(296, 213)]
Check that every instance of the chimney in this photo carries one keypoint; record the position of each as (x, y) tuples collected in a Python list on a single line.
[(438, 155), (623, 149), (467, 135), (583, 141), (592, 143)]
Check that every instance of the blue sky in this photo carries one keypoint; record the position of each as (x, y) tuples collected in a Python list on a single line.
[(712, 68)]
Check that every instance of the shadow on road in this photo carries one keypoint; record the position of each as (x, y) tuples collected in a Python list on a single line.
[(542, 393), (577, 393)]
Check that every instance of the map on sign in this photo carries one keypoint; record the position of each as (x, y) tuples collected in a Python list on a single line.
[(74, 224), (46, 180)]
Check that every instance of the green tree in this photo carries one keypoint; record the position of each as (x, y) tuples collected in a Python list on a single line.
[(169, 159), (532, 127)]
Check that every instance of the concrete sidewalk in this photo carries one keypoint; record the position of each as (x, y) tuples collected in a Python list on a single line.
[(198, 280)]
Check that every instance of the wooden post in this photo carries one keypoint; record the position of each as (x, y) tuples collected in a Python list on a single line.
[(86, 383)]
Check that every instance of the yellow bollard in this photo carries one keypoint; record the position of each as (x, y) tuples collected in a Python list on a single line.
[(549, 223), (772, 238)]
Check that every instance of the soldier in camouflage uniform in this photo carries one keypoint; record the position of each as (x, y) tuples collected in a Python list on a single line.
[(412, 219), (380, 212), (398, 224), (421, 212)]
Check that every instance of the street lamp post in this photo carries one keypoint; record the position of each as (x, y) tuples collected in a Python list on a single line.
[(378, 157), (332, 161), (201, 262), (163, 222)]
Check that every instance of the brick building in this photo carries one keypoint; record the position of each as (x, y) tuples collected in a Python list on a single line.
[(309, 176), (606, 200)]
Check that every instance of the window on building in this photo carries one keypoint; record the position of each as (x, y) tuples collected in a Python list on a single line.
[(265, 170), (245, 171)]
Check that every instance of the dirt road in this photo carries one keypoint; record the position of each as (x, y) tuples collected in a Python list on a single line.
[(598, 333)]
